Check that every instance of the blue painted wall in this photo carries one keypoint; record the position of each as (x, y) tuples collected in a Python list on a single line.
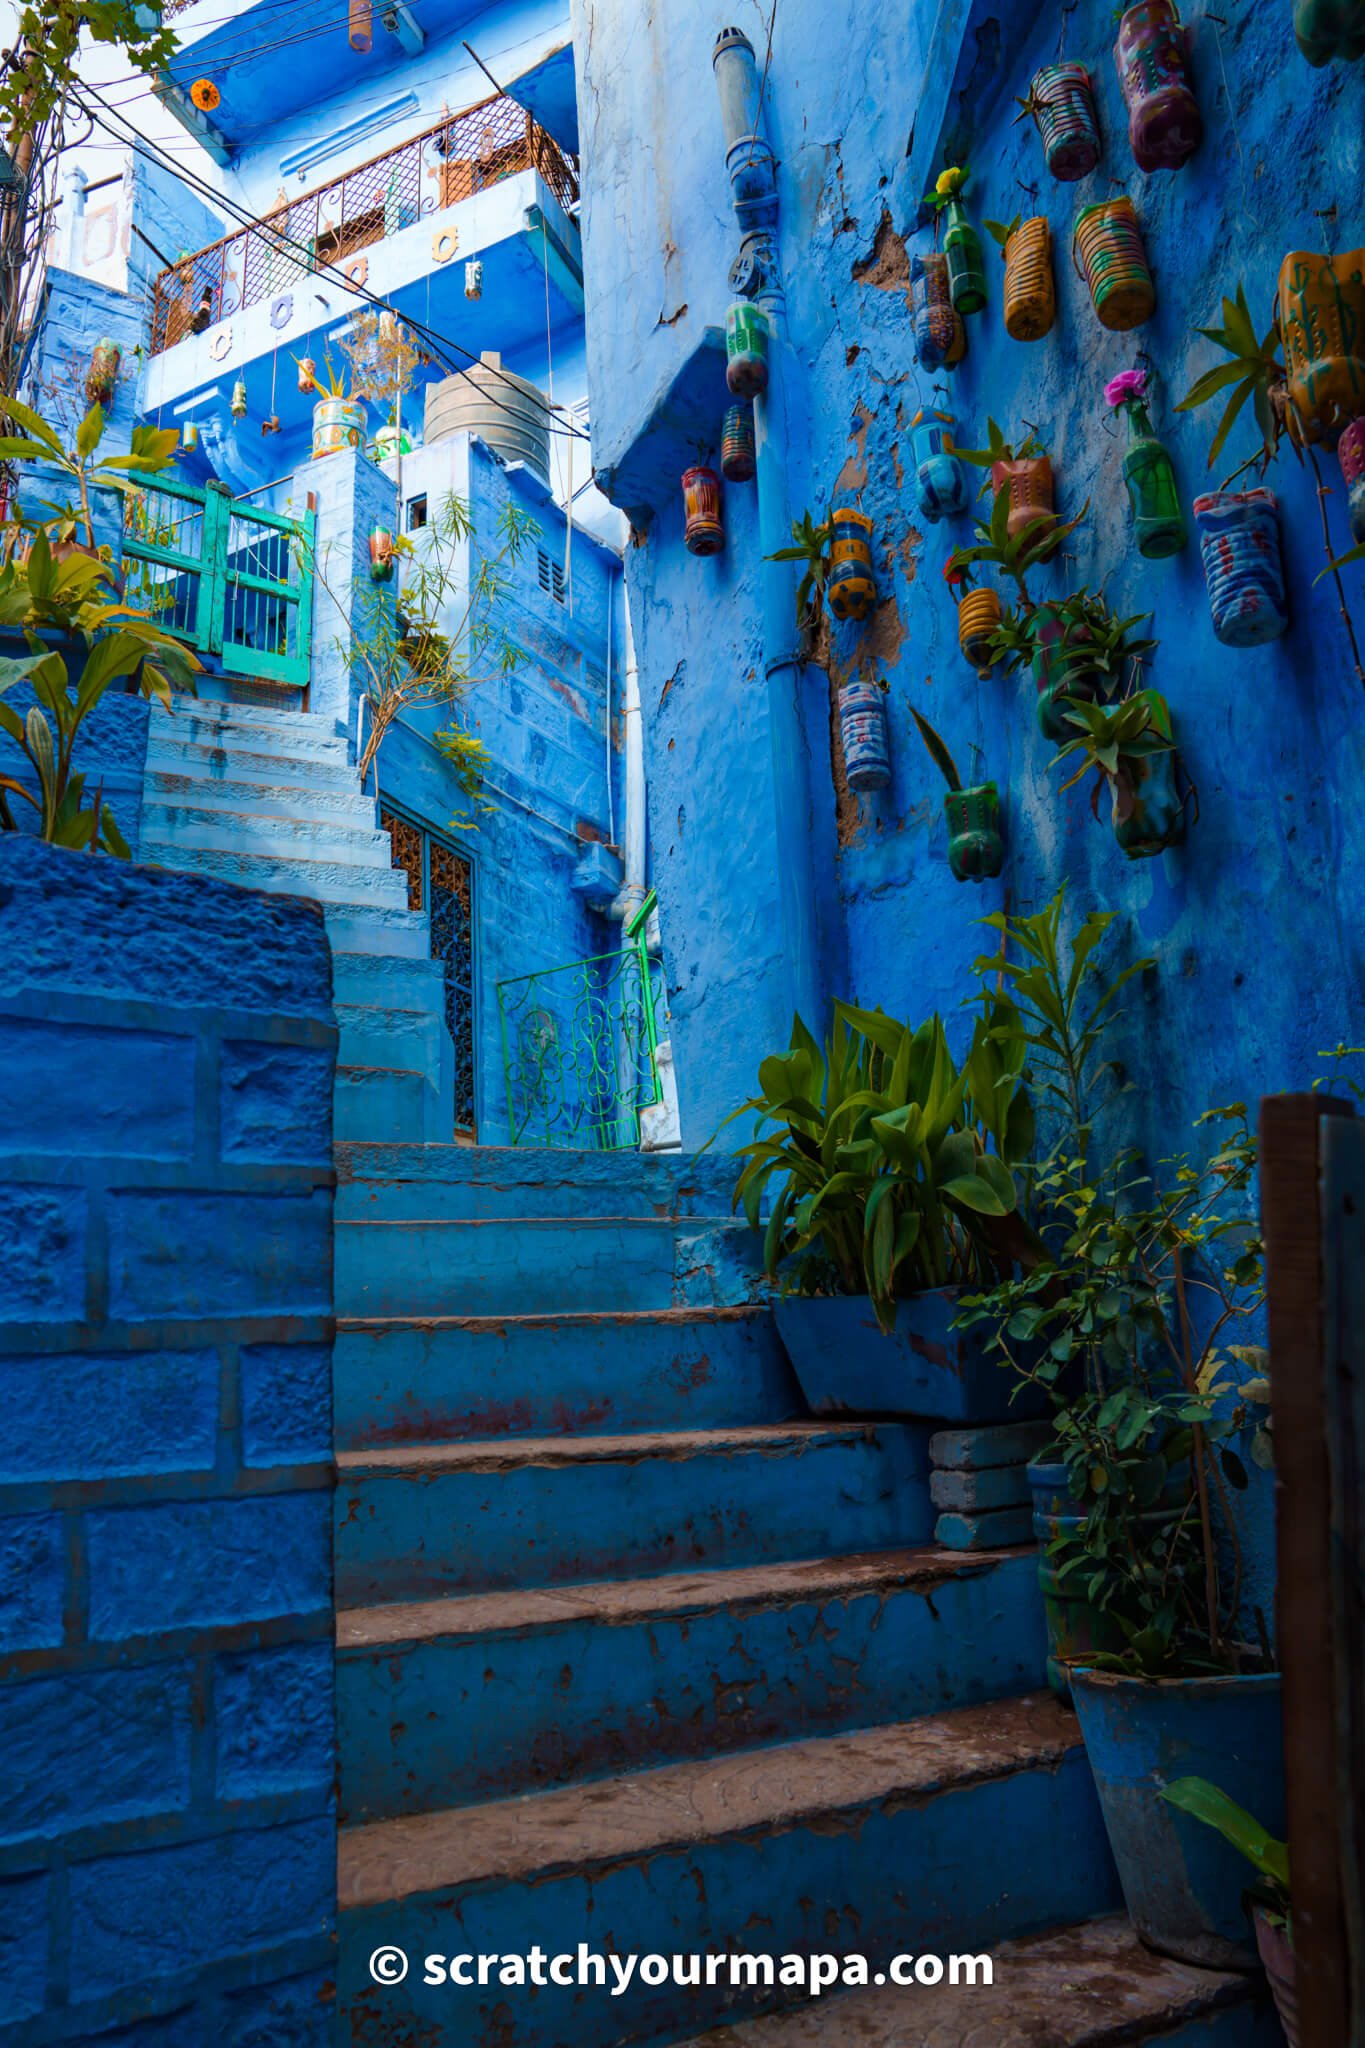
[(1251, 922), (166, 1719)]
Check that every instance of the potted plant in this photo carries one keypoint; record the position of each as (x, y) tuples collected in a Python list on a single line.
[(1151, 56), (1114, 262), (939, 484), (862, 735), (961, 243), (1061, 105), (935, 324), (1030, 293), (976, 850), (1158, 525), (810, 545), (852, 587), (1268, 1899), (993, 633), (1130, 1311), (340, 419), (978, 614), (1075, 646), (889, 1171), (1022, 474), (1131, 750)]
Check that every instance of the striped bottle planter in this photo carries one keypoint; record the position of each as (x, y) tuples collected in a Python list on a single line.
[(737, 458), (852, 587), (1115, 264), (976, 850), (939, 483), (1030, 294), (1320, 307), (862, 729), (746, 349), (1063, 106), (703, 533), (1239, 539), (1151, 56), (1351, 456), (978, 615), (932, 320)]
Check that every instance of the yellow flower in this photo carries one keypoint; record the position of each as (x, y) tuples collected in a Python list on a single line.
[(948, 183)]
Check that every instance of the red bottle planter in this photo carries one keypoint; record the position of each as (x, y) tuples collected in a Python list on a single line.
[(703, 533)]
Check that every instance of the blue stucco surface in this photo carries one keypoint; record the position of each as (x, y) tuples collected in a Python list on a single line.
[(166, 1709)]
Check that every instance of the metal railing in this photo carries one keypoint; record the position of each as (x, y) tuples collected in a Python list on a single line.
[(578, 1048), (467, 153)]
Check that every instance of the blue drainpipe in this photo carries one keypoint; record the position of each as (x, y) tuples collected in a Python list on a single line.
[(755, 275)]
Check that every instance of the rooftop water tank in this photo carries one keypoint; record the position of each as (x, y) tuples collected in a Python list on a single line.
[(504, 410)]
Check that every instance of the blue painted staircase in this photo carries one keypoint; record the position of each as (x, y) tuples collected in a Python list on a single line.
[(631, 1654)]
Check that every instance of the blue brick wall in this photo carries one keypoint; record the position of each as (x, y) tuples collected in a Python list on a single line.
[(167, 1835)]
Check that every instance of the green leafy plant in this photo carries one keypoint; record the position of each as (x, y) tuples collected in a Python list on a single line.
[(51, 31), (1014, 555), (1093, 642), (998, 449), (890, 1168), (1268, 1857), (810, 546), (1253, 372), (1110, 739), (1001, 230), (938, 751), (152, 450), (948, 186)]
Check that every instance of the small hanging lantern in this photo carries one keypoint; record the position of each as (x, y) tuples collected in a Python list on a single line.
[(238, 406), (473, 279), (189, 437), (738, 461), (1158, 524), (205, 95), (852, 586), (703, 534), (308, 374), (102, 376), (746, 349), (381, 554), (1151, 56)]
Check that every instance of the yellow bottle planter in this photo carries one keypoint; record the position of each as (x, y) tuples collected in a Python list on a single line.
[(978, 615), (1109, 242), (1320, 306), (1030, 293)]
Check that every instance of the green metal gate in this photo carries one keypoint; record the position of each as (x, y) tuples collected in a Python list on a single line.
[(235, 582)]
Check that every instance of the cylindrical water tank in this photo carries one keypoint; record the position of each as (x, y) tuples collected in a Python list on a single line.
[(504, 410)]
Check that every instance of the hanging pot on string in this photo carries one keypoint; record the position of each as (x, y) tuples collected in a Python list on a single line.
[(1239, 540), (1151, 56), (746, 349), (852, 588), (1320, 309), (933, 324), (473, 278), (703, 533), (940, 486), (1109, 242), (1030, 293), (189, 436), (238, 407), (101, 378), (1062, 103), (976, 850), (862, 732), (978, 615), (738, 460), (308, 374), (1351, 456), (381, 554)]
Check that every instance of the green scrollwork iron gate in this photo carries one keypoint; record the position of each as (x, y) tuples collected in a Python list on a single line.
[(235, 582), (579, 1045)]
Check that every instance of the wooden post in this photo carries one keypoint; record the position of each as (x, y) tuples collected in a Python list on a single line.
[(1291, 1223)]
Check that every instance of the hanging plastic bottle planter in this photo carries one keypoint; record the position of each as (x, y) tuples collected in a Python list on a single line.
[(1030, 292), (863, 734), (746, 349), (703, 533), (238, 406), (978, 615), (852, 587), (308, 374), (1061, 102), (101, 379), (381, 554), (934, 325), (1320, 311), (961, 243), (360, 26), (1324, 29), (1351, 456), (1158, 523), (738, 459), (1148, 810), (473, 278), (189, 437), (1151, 56), (1032, 489), (940, 487), (1109, 241), (1239, 540)]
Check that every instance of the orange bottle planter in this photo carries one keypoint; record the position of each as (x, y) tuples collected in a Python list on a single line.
[(1320, 306), (1109, 242), (978, 615), (1032, 492), (1030, 293)]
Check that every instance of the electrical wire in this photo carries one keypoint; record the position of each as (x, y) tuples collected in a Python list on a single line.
[(221, 61), (436, 340)]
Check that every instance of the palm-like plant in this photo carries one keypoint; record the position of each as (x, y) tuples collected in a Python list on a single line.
[(1109, 740), (810, 545), (1253, 372), (152, 450)]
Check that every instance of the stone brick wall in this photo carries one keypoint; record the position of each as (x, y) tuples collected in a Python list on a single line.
[(166, 1709)]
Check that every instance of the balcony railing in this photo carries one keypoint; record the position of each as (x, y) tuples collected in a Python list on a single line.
[(467, 153)]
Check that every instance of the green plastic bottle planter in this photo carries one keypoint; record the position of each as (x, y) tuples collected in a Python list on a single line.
[(1158, 522), (966, 265), (976, 850)]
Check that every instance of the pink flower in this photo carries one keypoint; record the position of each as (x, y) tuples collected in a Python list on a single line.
[(1129, 384)]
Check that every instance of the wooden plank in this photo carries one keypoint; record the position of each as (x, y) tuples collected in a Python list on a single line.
[(1290, 1148), (1343, 1227)]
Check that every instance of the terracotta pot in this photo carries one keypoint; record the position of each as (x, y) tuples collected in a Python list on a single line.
[(703, 533), (1151, 56), (1109, 242), (1320, 306), (1031, 491), (1064, 97), (862, 731), (852, 586), (1275, 1947), (977, 617), (976, 850), (1030, 294)]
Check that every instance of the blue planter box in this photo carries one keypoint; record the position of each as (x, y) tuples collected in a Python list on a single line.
[(924, 1368)]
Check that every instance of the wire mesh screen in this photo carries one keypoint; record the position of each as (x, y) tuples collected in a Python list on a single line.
[(467, 153), (578, 1050)]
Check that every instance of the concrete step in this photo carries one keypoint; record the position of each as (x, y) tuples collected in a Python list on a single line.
[(238, 764), (400, 938), (398, 1183), (443, 1378), (279, 800), (1089, 1986), (250, 831), (325, 881), (952, 1832), (490, 1266), (221, 711), (244, 731), (375, 1037), (395, 1102), (430, 1520), (558, 1687)]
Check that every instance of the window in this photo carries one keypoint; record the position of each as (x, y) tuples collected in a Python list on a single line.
[(441, 881), (551, 576), (417, 513)]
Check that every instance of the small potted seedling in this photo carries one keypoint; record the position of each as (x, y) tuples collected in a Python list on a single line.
[(975, 847)]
